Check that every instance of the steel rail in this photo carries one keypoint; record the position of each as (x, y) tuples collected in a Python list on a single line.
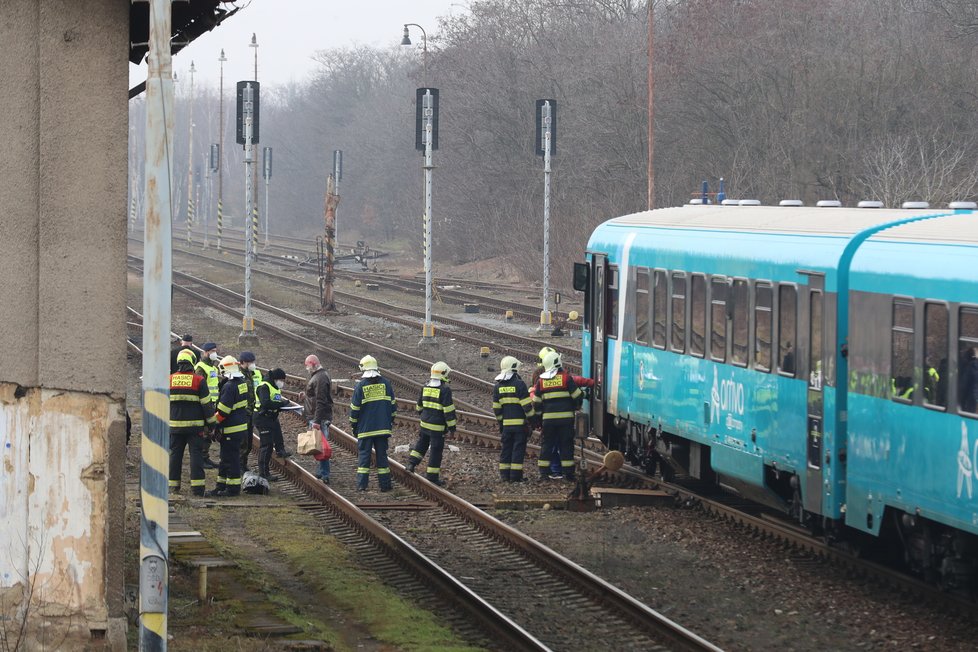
[(506, 631), (638, 614), (382, 305)]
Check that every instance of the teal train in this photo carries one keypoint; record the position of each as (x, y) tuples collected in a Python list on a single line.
[(820, 361)]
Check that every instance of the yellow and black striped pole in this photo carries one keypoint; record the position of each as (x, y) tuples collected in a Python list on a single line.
[(132, 213), (254, 232), (220, 223), (157, 274), (190, 217)]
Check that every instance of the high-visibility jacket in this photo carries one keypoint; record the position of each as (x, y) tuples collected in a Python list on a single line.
[(268, 400), (190, 403), (372, 408), (209, 372), (511, 402), (255, 379), (557, 398), (232, 408), (436, 407)]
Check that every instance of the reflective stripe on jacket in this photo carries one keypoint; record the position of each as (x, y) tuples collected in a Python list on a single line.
[(372, 407), (511, 402), (436, 407), (232, 408), (209, 372), (190, 403), (268, 399), (557, 398)]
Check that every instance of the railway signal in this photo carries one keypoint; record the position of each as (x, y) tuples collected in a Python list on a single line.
[(247, 118), (426, 139), (546, 145)]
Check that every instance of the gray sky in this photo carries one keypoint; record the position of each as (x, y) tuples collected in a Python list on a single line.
[(290, 31)]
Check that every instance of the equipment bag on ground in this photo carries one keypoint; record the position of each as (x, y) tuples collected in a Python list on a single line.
[(309, 443)]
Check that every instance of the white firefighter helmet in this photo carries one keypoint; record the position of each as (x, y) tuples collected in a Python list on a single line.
[(509, 363), (543, 354), (439, 371), (368, 363), (551, 361), (229, 365)]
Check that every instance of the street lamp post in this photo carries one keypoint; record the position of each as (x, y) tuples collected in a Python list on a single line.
[(220, 154), (424, 49)]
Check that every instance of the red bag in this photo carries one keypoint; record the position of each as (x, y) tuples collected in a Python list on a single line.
[(326, 452)]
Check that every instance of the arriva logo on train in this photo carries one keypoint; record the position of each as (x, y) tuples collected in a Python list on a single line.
[(967, 462), (727, 398)]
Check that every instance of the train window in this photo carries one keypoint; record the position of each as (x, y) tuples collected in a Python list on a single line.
[(968, 359), (935, 355), (763, 297), (718, 319), (901, 358), (787, 325), (659, 300), (697, 316), (678, 312), (599, 302), (611, 315), (740, 298), (642, 306)]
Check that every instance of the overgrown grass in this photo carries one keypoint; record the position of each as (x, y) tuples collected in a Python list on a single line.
[(335, 579)]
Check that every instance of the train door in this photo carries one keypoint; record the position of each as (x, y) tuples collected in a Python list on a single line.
[(599, 342), (815, 413)]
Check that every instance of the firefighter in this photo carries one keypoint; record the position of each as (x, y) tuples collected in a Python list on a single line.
[(556, 397), (207, 367), (437, 411), (513, 407), (372, 419), (584, 383), (268, 402), (253, 376), (232, 422), (191, 412)]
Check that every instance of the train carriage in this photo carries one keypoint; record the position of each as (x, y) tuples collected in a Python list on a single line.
[(816, 360)]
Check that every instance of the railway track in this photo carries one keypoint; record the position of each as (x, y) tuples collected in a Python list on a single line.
[(385, 310), (402, 383), (456, 297), (563, 604)]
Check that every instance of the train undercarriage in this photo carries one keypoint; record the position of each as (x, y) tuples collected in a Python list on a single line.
[(932, 551)]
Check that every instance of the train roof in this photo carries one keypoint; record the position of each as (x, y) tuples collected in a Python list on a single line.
[(952, 226)]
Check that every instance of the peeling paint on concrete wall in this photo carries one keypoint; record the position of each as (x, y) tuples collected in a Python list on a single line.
[(54, 500)]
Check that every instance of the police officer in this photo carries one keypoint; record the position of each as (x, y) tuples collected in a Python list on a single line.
[(268, 402), (437, 411), (232, 422), (556, 396), (207, 367), (372, 419), (191, 412), (513, 407), (253, 375)]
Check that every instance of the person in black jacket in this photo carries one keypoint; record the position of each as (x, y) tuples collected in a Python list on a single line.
[(512, 405), (191, 413), (186, 344), (232, 422), (437, 411), (268, 402)]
